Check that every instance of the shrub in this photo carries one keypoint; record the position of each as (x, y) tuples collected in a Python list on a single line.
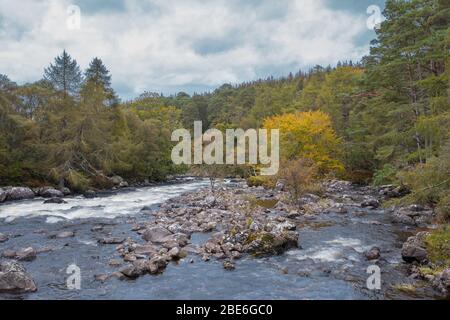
[(386, 175), (443, 209), (438, 246), (300, 178), (430, 182), (76, 181), (264, 181)]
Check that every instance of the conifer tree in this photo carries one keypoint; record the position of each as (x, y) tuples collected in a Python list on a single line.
[(64, 74)]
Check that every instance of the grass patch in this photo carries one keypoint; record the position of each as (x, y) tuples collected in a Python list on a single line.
[(264, 203), (438, 246)]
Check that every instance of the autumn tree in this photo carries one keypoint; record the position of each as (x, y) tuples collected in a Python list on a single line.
[(308, 135)]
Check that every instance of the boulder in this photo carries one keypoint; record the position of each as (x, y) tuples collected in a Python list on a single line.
[(65, 191), (9, 254), (370, 203), (131, 271), (156, 234), (266, 243), (146, 249), (50, 193), (65, 234), (3, 195), (413, 250), (55, 201), (19, 193), (414, 215), (210, 201), (111, 240), (176, 253), (27, 254), (15, 279), (280, 185), (157, 264), (90, 194), (442, 282), (116, 180), (373, 253), (228, 265), (3, 237)]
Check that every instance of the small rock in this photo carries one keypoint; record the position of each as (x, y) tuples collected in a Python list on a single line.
[(90, 194), (65, 234), (97, 228), (114, 263), (55, 201), (372, 203), (101, 277), (129, 258), (3, 237), (65, 191), (293, 215), (27, 254), (111, 240), (373, 253), (174, 253), (228, 265)]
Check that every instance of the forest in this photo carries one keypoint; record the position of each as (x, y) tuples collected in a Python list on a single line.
[(382, 120)]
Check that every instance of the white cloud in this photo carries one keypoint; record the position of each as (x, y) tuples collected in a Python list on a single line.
[(166, 44)]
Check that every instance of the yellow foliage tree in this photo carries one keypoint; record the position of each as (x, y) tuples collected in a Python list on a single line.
[(308, 135)]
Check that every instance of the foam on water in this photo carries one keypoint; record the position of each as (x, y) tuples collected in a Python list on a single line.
[(332, 251), (123, 203)]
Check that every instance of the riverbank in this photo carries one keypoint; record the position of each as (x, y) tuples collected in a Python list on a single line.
[(250, 242)]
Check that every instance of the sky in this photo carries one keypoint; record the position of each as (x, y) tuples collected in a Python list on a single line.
[(169, 46)]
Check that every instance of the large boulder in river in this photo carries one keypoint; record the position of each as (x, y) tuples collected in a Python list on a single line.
[(15, 279), (413, 250), (266, 243), (19, 193), (50, 193)]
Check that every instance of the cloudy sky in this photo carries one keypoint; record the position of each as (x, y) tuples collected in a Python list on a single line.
[(182, 45)]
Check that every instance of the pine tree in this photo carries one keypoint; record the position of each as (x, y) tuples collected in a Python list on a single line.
[(65, 74), (98, 74)]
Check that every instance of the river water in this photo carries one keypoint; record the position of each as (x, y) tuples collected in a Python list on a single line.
[(329, 265)]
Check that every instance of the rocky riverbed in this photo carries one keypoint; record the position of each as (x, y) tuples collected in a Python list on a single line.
[(183, 241)]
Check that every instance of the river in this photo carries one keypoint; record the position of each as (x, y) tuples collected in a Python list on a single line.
[(329, 265)]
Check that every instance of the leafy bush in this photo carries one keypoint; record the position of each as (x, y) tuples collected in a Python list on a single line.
[(265, 181), (429, 182), (438, 246), (300, 177), (443, 208), (77, 182), (386, 175)]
